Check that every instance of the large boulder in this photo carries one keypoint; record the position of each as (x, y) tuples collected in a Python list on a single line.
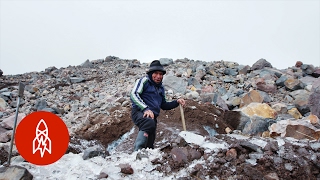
[(314, 98), (178, 85)]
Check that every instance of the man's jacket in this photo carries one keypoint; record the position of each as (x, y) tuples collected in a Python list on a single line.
[(146, 94)]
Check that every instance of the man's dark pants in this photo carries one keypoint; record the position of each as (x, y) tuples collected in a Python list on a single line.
[(146, 125)]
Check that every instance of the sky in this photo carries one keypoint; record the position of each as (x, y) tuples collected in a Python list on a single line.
[(38, 34)]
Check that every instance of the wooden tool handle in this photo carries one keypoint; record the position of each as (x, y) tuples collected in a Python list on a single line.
[(182, 118)]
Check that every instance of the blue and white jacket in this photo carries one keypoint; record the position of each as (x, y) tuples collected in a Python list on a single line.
[(147, 95)]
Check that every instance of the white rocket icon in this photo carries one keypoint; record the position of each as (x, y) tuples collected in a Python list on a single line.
[(42, 141)]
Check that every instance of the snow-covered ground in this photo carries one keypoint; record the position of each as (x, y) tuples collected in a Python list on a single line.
[(72, 166)]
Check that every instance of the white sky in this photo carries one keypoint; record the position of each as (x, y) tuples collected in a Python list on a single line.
[(37, 34)]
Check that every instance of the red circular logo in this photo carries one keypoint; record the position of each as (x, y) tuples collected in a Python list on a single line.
[(42, 138)]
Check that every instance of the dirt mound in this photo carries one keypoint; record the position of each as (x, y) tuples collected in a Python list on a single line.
[(203, 119), (107, 128)]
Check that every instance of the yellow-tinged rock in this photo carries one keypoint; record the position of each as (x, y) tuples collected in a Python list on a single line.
[(313, 119), (259, 109), (193, 88), (295, 113), (252, 96), (265, 134), (228, 130)]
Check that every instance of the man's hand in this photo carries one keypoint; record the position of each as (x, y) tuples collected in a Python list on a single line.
[(148, 114), (181, 101)]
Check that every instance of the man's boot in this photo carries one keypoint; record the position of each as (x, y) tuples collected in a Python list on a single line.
[(141, 141), (151, 138)]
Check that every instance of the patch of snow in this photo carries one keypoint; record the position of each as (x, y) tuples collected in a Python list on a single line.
[(258, 142), (238, 136), (214, 146), (192, 138)]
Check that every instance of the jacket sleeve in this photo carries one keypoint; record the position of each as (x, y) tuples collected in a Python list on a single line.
[(136, 91), (168, 105)]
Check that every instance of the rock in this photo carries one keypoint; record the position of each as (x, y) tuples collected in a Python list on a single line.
[(301, 103), (244, 70), (263, 86), (231, 154), (257, 125), (166, 61), (8, 123), (1, 72), (252, 96), (281, 80), (295, 113), (126, 168), (316, 72), (314, 99), (3, 104), (280, 108), (271, 176), (15, 172), (207, 89), (231, 72), (192, 95), (5, 135), (178, 85), (41, 104), (87, 64), (193, 81), (259, 109), (92, 152), (307, 68), (102, 175), (292, 84), (179, 155), (50, 69), (76, 79), (260, 64), (194, 154), (302, 132)]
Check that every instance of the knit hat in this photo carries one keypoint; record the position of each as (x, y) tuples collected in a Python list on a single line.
[(156, 66)]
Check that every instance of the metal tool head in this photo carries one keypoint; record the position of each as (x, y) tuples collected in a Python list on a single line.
[(21, 89)]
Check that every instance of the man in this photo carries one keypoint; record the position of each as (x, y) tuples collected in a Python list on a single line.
[(148, 97)]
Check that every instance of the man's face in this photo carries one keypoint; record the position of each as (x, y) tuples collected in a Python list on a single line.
[(157, 76)]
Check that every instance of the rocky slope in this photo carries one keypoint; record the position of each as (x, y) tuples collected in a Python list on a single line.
[(265, 120)]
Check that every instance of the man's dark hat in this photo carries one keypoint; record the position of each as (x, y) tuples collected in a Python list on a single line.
[(156, 66)]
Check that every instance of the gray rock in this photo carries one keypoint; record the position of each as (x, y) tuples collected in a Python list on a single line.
[(260, 64), (193, 81), (49, 69), (266, 97), (76, 79), (41, 104), (87, 64), (49, 110), (3, 104), (15, 173), (4, 90), (281, 80), (178, 85), (231, 72), (314, 104), (93, 152), (5, 135), (257, 125), (166, 61), (7, 94), (308, 68)]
